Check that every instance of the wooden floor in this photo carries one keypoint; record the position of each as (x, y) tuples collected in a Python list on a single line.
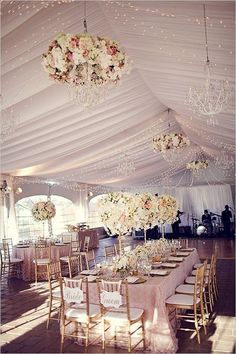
[(24, 311)]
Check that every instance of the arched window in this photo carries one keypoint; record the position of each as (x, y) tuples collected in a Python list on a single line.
[(29, 228), (94, 219)]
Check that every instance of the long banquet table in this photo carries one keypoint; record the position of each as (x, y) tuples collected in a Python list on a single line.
[(151, 296), (28, 254)]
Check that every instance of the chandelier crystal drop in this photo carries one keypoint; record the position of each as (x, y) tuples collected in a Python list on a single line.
[(212, 97), (225, 161), (88, 64)]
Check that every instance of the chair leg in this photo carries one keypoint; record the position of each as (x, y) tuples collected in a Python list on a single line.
[(205, 306), (129, 339), (103, 335), (203, 315), (87, 263), (36, 275), (196, 326), (143, 334), (87, 336), (49, 312), (69, 266), (62, 337)]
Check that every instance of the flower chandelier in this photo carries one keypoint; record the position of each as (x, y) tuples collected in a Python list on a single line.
[(88, 64), (170, 145), (197, 165), (213, 96)]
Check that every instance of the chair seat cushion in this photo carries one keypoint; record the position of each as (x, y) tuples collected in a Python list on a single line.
[(181, 299), (135, 314), (190, 280), (13, 260), (80, 315), (198, 265), (56, 294), (64, 258), (42, 261), (185, 289)]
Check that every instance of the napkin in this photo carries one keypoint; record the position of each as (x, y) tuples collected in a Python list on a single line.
[(158, 272), (169, 265), (182, 254), (131, 279), (176, 259)]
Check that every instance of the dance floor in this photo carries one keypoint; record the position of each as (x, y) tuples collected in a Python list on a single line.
[(24, 311)]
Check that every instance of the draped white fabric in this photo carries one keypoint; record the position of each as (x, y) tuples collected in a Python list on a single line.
[(165, 40)]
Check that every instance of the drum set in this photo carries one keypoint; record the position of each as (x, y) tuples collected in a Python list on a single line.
[(207, 229)]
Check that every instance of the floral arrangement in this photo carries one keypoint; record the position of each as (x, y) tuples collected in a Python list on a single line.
[(167, 209), (145, 213), (72, 228), (76, 59), (197, 165), (169, 141), (43, 211), (117, 212)]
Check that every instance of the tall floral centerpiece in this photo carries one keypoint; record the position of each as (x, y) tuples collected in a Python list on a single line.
[(42, 211), (146, 211), (117, 212), (167, 208)]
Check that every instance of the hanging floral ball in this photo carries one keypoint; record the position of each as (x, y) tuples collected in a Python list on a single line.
[(43, 211), (165, 142), (77, 59), (197, 165)]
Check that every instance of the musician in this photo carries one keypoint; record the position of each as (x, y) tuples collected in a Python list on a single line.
[(225, 218), (206, 220), (175, 225)]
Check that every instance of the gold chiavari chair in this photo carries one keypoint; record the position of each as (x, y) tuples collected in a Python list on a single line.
[(73, 259), (182, 302), (110, 252), (83, 253), (9, 264), (188, 289), (117, 312), (42, 254), (54, 274), (76, 308), (183, 242)]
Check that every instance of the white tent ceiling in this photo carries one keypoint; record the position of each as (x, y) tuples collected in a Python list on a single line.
[(165, 40)]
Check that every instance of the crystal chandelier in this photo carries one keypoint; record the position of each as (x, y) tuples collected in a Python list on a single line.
[(88, 64), (8, 122), (225, 161), (125, 167), (211, 98)]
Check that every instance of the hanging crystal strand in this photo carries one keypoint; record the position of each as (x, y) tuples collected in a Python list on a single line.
[(50, 233)]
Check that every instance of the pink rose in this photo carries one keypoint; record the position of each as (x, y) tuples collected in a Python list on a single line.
[(69, 56)]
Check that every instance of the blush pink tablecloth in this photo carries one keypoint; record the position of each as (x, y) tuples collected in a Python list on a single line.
[(151, 296), (28, 254)]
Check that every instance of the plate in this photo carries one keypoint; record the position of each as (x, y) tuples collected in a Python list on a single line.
[(169, 265), (156, 264), (185, 254), (90, 272), (59, 244), (159, 272), (22, 246), (175, 259), (140, 280), (187, 249)]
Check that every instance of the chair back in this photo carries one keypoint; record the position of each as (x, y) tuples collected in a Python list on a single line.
[(114, 296), (5, 252), (199, 281), (54, 274), (41, 250), (183, 242), (8, 241), (110, 251), (91, 259), (74, 292), (75, 248), (86, 243)]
